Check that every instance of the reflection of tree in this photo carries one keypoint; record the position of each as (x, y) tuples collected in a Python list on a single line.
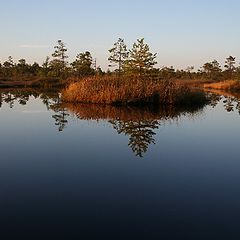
[(1, 99), (228, 104), (9, 98), (53, 102), (231, 101), (140, 133), (60, 118), (50, 99), (20, 96), (238, 106), (214, 99)]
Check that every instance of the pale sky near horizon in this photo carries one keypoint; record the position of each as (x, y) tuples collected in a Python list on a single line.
[(182, 33)]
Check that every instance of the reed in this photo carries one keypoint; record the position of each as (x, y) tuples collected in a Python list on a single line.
[(224, 85), (124, 91)]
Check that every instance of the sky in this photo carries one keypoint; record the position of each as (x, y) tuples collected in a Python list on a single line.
[(182, 32)]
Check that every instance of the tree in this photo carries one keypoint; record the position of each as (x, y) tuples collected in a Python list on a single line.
[(141, 60), (22, 67), (238, 73), (229, 65), (46, 66), (34, 69), (59, 63), (83, 64), (8, 67), (9, 63), (212, 69), (56, 68), (60, 51), (118, 54)]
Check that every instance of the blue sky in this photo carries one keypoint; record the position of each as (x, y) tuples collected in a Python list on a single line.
[(182, 32)]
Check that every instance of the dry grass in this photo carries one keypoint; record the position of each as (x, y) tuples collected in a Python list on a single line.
[(116, 91), (224, 85)]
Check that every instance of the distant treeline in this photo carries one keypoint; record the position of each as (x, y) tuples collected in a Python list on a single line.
[(137, 61)]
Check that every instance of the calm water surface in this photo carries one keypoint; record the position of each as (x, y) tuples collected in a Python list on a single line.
[(88, 172)]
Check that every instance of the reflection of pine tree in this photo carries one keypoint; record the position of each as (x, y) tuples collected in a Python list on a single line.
[(228, 104), (22, 98), (238, 106), (140, 133), (9, 98), (1, 99), (50, 100), (214, 99), (60, 117)]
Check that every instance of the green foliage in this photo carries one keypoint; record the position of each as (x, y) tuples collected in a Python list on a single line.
[(212, 70), (34, 69), (141, 60), (238, 73), (59, 64), (7, 68), (57, 68), (46, 67), (82, 66), (118, 54), (60, 52), (230, 66), (136, 62), (229, 63)]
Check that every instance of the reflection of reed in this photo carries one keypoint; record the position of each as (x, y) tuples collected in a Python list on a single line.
[(97, 112), (221, 92), (107, 112)]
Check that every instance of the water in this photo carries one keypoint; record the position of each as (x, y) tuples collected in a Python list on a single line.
[(95, 172)]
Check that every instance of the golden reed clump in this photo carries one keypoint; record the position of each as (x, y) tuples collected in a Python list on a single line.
[(224, 85), (123, 91)]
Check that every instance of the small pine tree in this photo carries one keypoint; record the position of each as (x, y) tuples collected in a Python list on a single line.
[(141, 60), (59, 64), (83, 64), (118, 54)]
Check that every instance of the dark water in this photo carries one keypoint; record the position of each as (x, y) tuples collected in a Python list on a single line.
[(88, 172)]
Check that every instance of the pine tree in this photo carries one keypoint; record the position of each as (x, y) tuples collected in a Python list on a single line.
[(83, 64), (141, 60), (118, 54), (59, 63)]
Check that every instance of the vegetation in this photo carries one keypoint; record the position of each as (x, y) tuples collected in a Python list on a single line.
[(230, 85), (123, 91), (133, 78), (118, 54), (138, 61), (82, 66)]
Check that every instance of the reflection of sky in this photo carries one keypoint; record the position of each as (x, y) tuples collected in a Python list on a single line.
[(89, 175)]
